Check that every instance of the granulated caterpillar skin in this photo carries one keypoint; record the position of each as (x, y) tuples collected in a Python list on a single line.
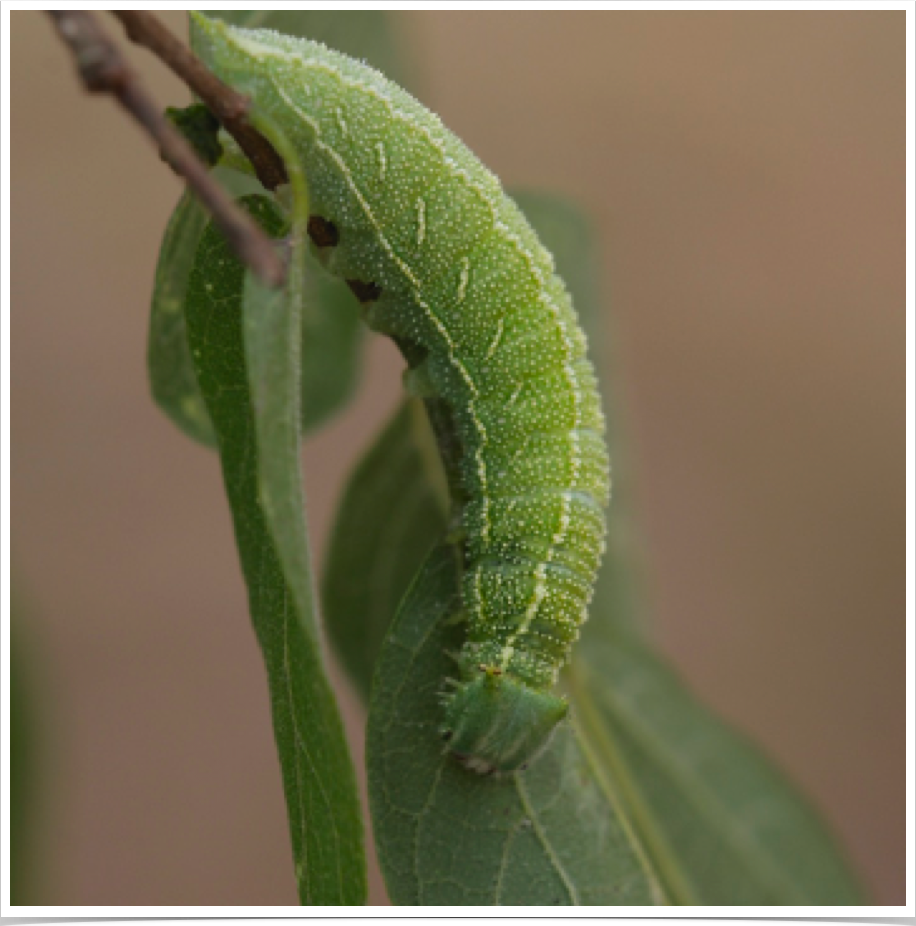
[(465, 288)]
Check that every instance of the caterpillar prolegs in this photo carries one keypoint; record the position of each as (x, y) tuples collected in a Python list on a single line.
[(449, 268)]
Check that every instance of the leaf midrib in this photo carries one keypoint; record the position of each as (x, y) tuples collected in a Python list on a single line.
[(703, 798)]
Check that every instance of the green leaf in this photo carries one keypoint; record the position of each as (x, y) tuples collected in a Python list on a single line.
[(200, 129), (367, 35), (171, 370), (445, 835), (720, 823), (331, 329), (392, 514), (244, 342), (332, 337)]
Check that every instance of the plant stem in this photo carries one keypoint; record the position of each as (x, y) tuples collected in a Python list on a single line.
[(103, 69), (229, 106)]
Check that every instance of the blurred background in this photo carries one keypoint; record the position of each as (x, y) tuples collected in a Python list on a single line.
[(746, 173)]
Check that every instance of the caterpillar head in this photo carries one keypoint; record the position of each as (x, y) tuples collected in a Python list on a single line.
[(494, 723)]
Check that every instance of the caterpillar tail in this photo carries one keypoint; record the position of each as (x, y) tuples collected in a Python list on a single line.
[(496, 724)]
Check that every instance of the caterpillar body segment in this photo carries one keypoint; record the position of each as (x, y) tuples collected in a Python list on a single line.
[(493, 345)]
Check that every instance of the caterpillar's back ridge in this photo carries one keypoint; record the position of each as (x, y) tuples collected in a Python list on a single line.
[(472, 298)]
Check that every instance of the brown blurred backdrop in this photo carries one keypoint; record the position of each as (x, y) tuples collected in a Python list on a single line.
[(746, 171)]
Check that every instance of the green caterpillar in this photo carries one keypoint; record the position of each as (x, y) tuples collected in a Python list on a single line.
[(448, 267)]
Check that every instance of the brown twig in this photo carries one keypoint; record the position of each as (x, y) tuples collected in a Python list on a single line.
[(229, 106), (103, 69)]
